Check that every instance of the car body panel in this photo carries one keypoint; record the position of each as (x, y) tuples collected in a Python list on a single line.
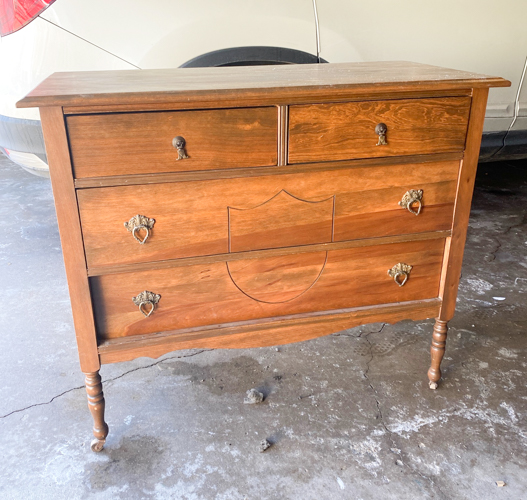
[(166, 34), (521, 119)]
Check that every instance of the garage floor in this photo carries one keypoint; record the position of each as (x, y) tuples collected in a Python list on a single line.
[(349, 416)]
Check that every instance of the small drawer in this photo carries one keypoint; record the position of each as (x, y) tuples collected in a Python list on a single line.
[(141, 143), (189, 219), (248, 290), (341, 131)]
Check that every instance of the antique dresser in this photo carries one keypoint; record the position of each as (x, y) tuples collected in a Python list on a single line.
[(254, 206)]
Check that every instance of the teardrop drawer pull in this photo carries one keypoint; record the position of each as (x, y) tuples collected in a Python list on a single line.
[(400, 273), (380, 130), (138, 222), (410, 198), (179, 143), (145, 299)]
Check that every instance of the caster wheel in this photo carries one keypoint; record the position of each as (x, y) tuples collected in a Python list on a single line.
[(97, 445), (432, 385)]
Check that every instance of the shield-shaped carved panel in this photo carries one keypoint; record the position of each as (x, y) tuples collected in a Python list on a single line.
[(281, 221), (277, 279)]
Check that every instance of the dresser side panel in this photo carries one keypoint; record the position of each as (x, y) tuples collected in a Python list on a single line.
[(467, 177), (70, 235)]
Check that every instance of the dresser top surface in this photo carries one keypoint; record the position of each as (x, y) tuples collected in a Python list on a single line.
[(89, 88)]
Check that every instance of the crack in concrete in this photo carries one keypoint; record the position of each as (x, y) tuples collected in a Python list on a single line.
[(155, 364), (492, 255), (371, 351), (103, 382), (360, 335), (42, 404), (389, 434)]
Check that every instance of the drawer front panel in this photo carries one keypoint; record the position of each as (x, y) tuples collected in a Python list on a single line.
[(234, 215), (139, 143), (219, 293), (340, 131)]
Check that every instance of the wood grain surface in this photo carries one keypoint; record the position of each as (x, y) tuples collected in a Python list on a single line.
[(138, 143), (325, 132), (70, 236), (206, 294), (283, 220), (278, 279), (192, 218), (235, 173), (260, 333), (256, 254), (308, 81), (271, 99), (467, 177)]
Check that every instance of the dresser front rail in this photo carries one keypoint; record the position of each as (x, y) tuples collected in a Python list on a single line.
[(263, 333)]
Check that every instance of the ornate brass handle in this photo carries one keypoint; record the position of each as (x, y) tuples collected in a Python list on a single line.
[(138, 222), (179, 143), (411, 197), (399, 271), (380, 130), (146, 298)]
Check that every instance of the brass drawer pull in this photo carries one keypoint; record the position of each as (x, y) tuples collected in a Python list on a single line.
[(411, 197), (138, 222), (144, 299), (179, 143), (399, 271), (380, 130)]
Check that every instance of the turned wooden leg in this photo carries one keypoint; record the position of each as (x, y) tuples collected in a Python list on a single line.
[(437, 351), (96, 406)]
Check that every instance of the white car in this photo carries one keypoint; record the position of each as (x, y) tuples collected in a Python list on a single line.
[(40, 37)]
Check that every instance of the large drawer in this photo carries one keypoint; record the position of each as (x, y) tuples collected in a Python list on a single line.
[(234, 215), (219, 293), (340, 131), (139, 143)]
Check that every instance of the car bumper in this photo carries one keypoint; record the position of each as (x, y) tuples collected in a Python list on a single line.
[(22, 135), (21, 140)]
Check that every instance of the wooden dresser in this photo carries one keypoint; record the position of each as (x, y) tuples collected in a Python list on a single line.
[(254, 206)]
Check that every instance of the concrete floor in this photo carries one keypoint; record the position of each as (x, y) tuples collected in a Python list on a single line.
[(350, 416)]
